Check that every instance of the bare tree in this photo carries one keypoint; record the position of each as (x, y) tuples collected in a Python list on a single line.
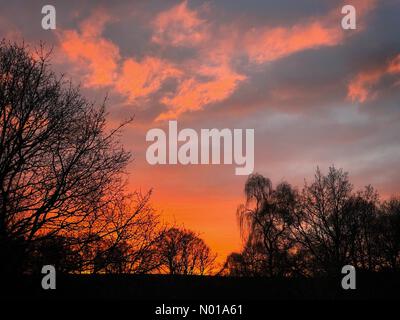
[(323, 220), (61, 180), (362, 214), (183, 252), (265, 220), (388, 235), (251, 262), (125, 236), (318, 231)]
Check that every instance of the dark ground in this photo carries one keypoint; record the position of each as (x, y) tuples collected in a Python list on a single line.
[(191, 288)]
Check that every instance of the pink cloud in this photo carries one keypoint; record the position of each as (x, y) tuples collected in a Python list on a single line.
[(89, 50), (179, 26), (269, 44), (205, 79), (102, 64), (194, 94), (140, 79), (272, 44), (361, 87), (182, 26)]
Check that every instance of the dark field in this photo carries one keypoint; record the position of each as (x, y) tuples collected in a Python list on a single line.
[(201, 288)]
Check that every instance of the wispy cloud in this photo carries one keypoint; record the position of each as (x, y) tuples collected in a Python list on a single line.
[(179, 26), (141, 78), (364, 86), (210, 75), (87, 48)]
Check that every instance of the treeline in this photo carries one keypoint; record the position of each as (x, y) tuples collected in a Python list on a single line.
[(315, 231), (63, 199), (62, 187)]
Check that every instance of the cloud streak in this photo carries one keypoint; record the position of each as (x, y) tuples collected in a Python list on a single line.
[(364, 86), (179, 26), (207, 77), (89, 50)]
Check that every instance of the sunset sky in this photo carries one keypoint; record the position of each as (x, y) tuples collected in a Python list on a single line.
[(316, 94)]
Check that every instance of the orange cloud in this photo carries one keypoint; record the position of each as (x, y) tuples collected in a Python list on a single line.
[(179, 26), (361, 86), (207, 79), (269, 44), (139, 79), (210, 76), (394, 65), (272, 44), (91, 51), (193, 94), (103, 66)]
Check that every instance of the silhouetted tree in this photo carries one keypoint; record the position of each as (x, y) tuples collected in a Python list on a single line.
[(265, 220), (249, 263), (323, 220), (388, 235), (183, 252), (61, 188), (362, 214), (58, 251), (127, 235), (318, 231)]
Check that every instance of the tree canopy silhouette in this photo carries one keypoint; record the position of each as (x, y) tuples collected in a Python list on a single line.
[(61, 172), (183, 252), (316, 231), (265, 222)]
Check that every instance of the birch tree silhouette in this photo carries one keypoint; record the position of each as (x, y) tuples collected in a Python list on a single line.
[(265, 220)]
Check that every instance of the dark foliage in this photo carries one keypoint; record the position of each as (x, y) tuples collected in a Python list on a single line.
[(316, 231)]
